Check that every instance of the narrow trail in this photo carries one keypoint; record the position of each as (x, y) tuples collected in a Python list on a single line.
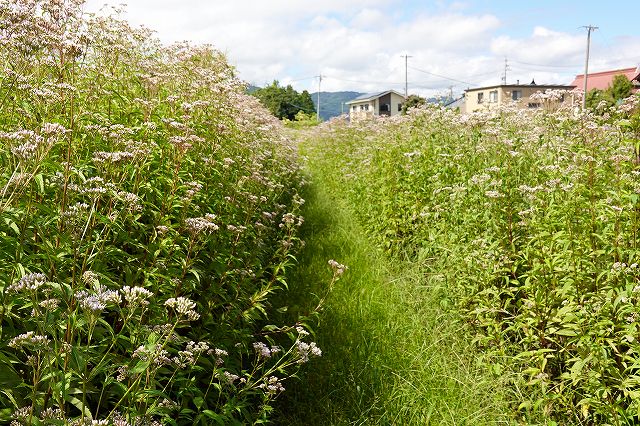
[(392, 352)]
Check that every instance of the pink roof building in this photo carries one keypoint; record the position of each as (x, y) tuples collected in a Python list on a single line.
[(602, 80)]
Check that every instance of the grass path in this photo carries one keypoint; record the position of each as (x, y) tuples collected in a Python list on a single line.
[(392, 352)]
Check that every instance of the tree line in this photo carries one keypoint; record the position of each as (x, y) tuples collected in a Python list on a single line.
[(285, 102)]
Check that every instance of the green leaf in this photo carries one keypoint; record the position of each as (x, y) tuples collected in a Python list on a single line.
[(40, 182), (11, 224), (566, 332), (78, 404), (198, 401), (219, 419), (140, 367)]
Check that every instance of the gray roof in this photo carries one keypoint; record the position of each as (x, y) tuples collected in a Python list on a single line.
[(371, 96), (456, 103)]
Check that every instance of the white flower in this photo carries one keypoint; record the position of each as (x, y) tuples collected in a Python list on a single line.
[(30, 282), (306, 349), (29, 339), (136, 296), (200, 225), (265, 351), (184, 307), (338, 268)]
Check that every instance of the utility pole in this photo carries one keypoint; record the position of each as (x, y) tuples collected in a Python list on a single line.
[(319, 83), (586, 65), (406, 74), (506, 68)]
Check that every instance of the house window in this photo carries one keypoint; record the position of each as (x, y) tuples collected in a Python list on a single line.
[(493, 96), (366, 107), (355, 108), (385, 108), (399, 107), (516, 94), (480, 98)]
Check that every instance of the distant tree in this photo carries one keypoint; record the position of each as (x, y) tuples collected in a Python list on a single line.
[(412, 102), (619, 88), (284, 102), (594, 97)]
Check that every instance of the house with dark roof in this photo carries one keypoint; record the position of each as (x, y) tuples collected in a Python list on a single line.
[(491, 97), (387, 103), (602, 80)]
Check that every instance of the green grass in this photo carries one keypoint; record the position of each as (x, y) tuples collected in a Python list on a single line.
[(393, 351)]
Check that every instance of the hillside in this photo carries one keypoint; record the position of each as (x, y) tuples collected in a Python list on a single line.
[(331, 102)]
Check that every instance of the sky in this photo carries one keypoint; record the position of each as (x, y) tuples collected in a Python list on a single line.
[(359, 45)]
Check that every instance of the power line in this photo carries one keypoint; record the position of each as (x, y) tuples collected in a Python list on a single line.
[(441, 76), (544, 66), (305, 78), (298, 106), (362, 81)]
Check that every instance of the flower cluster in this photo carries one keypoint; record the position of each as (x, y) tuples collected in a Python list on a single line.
[(190, 354), (338, 268), (184, 307), (29, 283), (136, 296), (201, 225), (272, 385), (307, 349), (152, 353), (112, 157), (264, 351), (97, 301), (30, 340)]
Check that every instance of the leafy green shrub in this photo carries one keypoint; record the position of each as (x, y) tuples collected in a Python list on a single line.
[(148, 211), (302, 121)]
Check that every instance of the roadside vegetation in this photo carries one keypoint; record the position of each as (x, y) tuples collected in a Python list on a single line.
[(526, 223), (149, 210)]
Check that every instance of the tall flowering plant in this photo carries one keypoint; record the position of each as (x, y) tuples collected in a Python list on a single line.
[(148, 212), (528, 219)]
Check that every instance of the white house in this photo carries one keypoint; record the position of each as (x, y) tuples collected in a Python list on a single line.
[(372, 104)]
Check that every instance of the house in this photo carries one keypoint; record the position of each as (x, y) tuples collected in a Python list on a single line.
[(457, 104), (387, 103), (491, 97), (602, 80)]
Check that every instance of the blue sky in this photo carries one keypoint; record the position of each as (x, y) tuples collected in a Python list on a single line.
[(614, 18), (357, 44)]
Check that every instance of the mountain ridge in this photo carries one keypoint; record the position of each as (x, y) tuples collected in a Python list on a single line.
[(331, 103)]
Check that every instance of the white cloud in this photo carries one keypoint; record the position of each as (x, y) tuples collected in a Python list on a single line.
[(357, 44), (447, 32), (369, 19), (544, 47)]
